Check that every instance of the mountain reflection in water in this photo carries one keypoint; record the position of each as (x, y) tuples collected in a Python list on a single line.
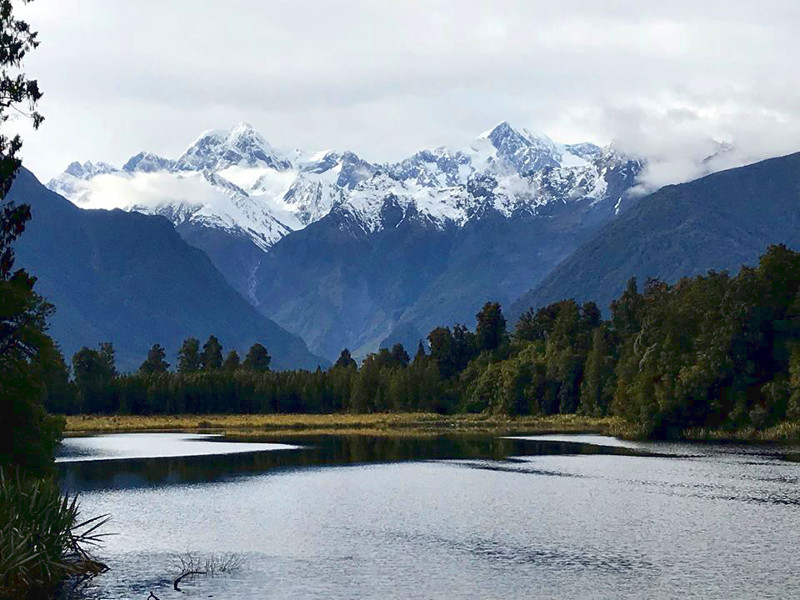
[(98, 472)]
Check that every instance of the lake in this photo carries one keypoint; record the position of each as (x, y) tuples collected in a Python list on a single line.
[(451, 516)]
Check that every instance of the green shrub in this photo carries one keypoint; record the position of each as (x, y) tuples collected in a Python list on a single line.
[(42, 540)]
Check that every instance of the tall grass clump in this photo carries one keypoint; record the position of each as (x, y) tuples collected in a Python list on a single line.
[(43, 542)]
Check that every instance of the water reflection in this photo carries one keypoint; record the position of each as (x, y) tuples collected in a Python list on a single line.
[(156, 445), (108, 471), (453, 516)]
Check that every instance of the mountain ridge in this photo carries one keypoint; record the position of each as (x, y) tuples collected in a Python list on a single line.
[(718, 222)]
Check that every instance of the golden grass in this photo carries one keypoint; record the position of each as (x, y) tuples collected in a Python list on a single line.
[(404, 424), (788, 431), (343, 424)]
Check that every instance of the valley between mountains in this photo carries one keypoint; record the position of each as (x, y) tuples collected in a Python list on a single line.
[(343, 252)]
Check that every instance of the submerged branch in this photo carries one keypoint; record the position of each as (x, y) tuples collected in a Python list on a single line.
[(184, 575), (191, 565)]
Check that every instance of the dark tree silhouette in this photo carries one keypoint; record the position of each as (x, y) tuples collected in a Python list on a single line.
[(28, 437), (420, 355), (400, 355), (491, 329), (189, 356), (155, 362), (232, 361), (257, 358), (211, 358), (345, 360)]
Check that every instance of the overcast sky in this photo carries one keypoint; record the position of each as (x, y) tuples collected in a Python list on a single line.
[(386, 78)]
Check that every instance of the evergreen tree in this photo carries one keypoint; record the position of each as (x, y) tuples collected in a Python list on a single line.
[(232, 362), (94, 371), (400, 355), (383, 359), (189, 356), (597, 387), (211, 357), (526, 328), (420, 355), (28, 436), (590, 316), (345, 361), (491, 328), (626, 312), (257, 358), (536, 325), (443, 351), (465, 347), (92, 368), (108, 357), (155, 362)]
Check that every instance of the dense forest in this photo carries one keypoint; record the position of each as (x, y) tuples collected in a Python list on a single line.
[(713, 351)]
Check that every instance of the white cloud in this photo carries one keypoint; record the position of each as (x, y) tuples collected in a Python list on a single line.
[(387, 78), (118, 190)]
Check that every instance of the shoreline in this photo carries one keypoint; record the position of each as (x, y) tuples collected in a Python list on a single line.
[(384, 424), (787, 432), (403, 424)]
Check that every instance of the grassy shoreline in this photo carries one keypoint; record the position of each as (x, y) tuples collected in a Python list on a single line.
[(403, 424), (787, 432), (387, 424)]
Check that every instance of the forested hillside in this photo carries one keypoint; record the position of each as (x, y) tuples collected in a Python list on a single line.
[(715, 351)]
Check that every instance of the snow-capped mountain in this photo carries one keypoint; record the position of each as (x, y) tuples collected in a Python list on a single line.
[(505, 171), (72, 182), (349, 253), (241, 146), (147, 162), (345, 252), (236, 181)]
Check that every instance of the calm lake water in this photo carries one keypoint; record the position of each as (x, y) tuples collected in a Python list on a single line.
[(446, 517)]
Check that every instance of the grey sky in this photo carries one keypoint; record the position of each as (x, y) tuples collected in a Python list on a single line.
[(386, 78)]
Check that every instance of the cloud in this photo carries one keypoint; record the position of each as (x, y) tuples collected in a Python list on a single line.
[(682, 142), (120, 190), (387, 78)]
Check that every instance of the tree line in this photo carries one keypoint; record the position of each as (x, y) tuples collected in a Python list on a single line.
[(715, 350)]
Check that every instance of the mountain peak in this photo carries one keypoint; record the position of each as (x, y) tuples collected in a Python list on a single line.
[(233, 180), (89, 169), (242, 127), (527, 152), (241, 145), (503, 128), (147, 162), (246, 133)]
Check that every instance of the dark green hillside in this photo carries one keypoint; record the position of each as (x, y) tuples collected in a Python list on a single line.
[(719, 222), (130, 279)]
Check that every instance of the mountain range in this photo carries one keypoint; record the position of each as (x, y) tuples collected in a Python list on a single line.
[(343, 252), (348, 253)]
